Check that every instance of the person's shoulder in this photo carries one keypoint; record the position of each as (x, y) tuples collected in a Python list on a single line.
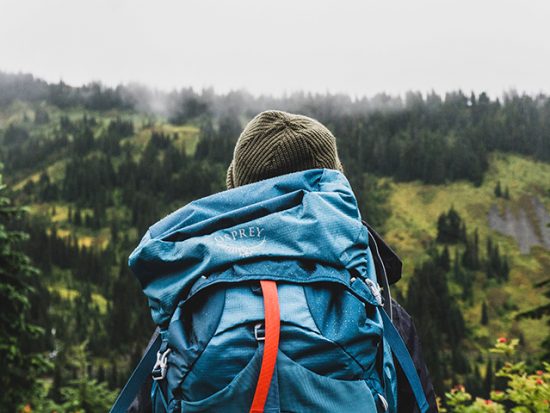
[(403, 322), (399, 311)]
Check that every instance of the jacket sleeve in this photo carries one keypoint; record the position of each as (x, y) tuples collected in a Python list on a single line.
[(406, 402)]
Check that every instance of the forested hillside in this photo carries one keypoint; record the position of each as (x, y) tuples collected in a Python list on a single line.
[(446, 179)]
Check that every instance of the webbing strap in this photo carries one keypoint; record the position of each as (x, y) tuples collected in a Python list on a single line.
[(403, 357), (138, 377), (271, 344), (273, 402)]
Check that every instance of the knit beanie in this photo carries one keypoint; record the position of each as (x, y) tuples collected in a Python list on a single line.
[(276, 143)]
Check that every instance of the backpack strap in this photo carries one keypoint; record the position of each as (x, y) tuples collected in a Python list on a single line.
[(402, 355), (391, 260), (271, 345), (138, 377), (381, 273)]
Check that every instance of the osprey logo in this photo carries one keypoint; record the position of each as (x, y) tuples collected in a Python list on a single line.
[(242, 241)]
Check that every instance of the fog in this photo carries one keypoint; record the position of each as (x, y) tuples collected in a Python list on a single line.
[(354, 47)]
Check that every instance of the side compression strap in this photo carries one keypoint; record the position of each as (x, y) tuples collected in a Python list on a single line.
[(403, 357), (138, 377), (271, 344)]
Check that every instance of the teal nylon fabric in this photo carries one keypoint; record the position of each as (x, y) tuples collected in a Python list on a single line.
[(305, 217), (198, 268)]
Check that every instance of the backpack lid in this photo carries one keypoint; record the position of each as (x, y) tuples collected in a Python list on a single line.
[(308, 216)]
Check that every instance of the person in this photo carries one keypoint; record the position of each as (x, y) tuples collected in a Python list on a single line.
[(277, 143)]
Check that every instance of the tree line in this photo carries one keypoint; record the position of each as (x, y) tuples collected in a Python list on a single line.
[(432, 138)]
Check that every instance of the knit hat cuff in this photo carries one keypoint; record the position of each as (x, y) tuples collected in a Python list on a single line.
[(229, 179)]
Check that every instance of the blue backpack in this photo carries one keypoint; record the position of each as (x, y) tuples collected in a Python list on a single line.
[(267, 300)]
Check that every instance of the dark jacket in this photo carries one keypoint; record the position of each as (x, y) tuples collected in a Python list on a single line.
[(405, 399)]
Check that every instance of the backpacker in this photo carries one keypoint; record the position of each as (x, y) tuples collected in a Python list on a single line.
[(267, 300)]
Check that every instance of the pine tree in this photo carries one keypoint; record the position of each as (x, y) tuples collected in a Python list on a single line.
[(474, 382), (113, 375), (463, 234), (450, 228), (77, 218), (85, 393), (484, 314), (101, 375), (17, 332), (539, 312), (470, 256), (438, 318), (498, 190), (496, 266), (129, 310), (505, 269), (488, 380), (444, 259), (476, 249)]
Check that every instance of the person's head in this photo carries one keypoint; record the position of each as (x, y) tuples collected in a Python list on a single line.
[(277, 143)]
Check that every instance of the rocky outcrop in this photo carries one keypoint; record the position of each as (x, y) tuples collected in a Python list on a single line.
[(528, 225)]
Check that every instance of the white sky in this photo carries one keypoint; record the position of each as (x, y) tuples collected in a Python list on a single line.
[(358, 47)]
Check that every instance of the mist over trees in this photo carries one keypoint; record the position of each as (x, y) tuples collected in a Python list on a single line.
[(432, 138)]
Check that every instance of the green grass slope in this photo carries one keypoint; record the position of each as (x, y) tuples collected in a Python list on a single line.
[(412, 227)]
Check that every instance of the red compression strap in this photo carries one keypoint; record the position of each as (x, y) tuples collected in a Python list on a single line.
[(271, 344)]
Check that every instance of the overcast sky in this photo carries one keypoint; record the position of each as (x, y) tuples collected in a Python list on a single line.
[(358, 47)]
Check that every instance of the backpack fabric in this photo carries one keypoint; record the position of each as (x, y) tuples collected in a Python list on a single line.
[(201, 268)]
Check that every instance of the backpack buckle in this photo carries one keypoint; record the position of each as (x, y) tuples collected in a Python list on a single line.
[(375, 290), (259, 332), (161, 365)]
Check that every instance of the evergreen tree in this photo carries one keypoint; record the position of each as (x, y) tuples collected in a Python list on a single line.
[(539, 312), (484, 314), (20, 366), (470, 256), (488, 380), (505, 269), (474, 382), (496, 266), (438, 319), (444, 259), (84, 393), (77, 220), (372, 195), (450, 227), (129, 310), (113, 375), (498, 190)]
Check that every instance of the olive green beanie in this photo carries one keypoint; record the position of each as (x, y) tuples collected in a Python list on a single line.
[(276, 143)]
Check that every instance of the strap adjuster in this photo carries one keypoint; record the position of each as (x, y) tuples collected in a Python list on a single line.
[(375, 291), (259, 332), (160, 367)]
